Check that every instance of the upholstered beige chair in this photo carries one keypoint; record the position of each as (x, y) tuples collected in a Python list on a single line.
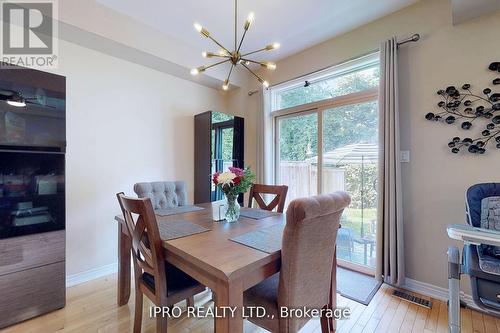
[(307, 276)]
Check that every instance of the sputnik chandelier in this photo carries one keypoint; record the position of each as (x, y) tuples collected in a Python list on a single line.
[(235, 57)]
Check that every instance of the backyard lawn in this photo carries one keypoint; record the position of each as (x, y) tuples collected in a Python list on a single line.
[(352, 219)]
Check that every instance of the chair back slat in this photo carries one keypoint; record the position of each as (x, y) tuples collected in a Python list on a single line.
[(147, 249), (278, 201)]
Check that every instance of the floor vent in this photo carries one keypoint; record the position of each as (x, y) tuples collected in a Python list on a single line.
[(413, 299)]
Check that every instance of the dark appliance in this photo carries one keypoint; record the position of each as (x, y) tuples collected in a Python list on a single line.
[(32, 193)]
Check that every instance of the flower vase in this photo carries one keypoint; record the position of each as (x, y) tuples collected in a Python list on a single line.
[(232, 208)]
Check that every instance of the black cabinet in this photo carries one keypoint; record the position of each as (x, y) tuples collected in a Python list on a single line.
[(32, 193), (218, 144)]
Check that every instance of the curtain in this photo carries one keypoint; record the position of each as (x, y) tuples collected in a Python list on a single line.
[(265, 159), (390, 239)]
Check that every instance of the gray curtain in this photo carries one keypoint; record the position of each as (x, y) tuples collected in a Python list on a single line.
[(390, 238)]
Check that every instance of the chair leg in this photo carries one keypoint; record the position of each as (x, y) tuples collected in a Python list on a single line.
[(325, 328), (190, 301), (138, 310), (161, 324), (214, 297)]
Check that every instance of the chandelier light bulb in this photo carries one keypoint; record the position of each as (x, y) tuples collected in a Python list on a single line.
[(225, 86), (265, 84), (269, 65), (204, 32), (198, 70), (272, 46), (249, 21), (204, 54)]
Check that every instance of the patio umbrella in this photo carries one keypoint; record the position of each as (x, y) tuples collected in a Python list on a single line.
[(358, 154)]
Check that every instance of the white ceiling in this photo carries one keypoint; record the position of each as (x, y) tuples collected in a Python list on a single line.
[(464, 10), (295, 24)]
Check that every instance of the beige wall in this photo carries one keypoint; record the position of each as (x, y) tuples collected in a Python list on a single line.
[(435, 180), (125, 123)]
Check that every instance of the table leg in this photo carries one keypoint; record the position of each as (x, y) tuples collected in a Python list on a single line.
[(230, 294), (124, 246)]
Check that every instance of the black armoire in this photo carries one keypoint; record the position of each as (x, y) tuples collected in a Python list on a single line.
[(218, 144)]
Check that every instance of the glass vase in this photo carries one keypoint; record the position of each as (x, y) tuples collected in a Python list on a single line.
[(232, 208)]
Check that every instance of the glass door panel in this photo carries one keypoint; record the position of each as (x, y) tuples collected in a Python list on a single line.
[(350, 163), (298, 150)]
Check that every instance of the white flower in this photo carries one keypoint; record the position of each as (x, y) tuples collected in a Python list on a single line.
[(226, 178)]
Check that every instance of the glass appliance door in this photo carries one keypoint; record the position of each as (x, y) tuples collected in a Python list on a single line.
[(32, 198)]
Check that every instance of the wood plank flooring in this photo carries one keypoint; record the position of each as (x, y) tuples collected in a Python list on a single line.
[(91, 307)]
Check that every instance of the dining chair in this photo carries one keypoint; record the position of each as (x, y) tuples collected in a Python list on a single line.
[(278, 201), (163, 283), (163, 194), (308, 266)]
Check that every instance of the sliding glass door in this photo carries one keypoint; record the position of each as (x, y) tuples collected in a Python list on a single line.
[(326, 139), (298, 144), (350, 163), (335, 149)]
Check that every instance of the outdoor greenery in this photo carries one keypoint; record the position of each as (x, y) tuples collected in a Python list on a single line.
[(362, 193), (351, 218), (350, 124), (227, 136)]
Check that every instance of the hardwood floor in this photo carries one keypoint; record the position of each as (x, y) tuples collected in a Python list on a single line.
[(91, 307)]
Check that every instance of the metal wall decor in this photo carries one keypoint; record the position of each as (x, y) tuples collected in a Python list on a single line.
[(464, 106)]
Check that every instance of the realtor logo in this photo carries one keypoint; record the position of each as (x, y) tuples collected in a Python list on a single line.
[(28, 33)]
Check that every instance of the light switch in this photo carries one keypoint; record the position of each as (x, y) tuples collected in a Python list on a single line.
[(405, 156)]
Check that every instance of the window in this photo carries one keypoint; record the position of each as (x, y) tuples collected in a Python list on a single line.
[(326, 135), (354, 76)]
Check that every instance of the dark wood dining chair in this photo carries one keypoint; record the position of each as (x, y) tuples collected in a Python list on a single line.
[(308, 265), (163, 283), (278, 202)]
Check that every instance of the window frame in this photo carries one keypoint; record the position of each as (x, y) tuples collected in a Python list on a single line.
[(342, 69)]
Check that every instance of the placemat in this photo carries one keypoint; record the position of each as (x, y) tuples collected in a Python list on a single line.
[(177, 210), (255, 213), (266, 239), (179, 228)]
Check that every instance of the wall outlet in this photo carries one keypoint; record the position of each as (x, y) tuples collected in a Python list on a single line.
[(405, 156)]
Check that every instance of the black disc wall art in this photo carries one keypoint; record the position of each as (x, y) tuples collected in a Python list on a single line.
[(478, 113)]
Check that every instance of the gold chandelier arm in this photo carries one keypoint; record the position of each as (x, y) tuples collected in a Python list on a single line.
[(253, 61), (241, 41), (215, 55), (256, 51), (261, 80), (219, 44), (230, 71), (217, 63)]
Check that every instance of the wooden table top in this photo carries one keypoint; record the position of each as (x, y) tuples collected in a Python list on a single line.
[(213, 251)]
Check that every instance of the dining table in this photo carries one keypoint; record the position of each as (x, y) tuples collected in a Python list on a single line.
[(225, 266)]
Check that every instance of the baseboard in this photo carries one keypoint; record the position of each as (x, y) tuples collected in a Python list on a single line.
[(82, 277), (436, 292)]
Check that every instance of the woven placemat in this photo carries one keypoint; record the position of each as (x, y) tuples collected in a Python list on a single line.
[(179, 228), (255, 213), (177, 210), (266, 239)]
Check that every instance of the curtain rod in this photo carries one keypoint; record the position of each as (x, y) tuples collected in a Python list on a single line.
[(414, 38)]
